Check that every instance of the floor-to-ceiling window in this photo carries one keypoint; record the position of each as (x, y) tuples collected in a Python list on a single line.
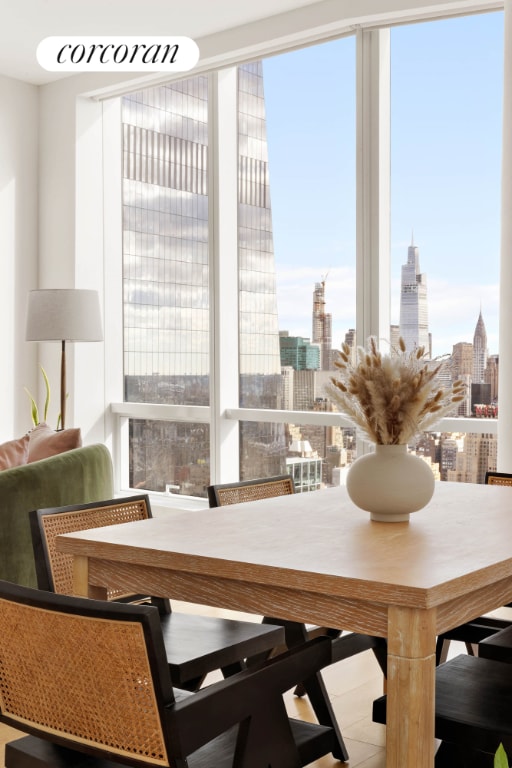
[(296, 299), (296, 252), (446, 123)]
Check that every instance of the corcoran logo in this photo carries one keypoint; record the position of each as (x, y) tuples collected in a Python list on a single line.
[(117, 54)]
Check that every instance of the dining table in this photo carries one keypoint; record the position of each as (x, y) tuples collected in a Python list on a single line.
[(315, 557)]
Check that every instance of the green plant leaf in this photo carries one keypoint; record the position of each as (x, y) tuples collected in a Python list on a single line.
[(47, 399), (500, 758), (33, 409)]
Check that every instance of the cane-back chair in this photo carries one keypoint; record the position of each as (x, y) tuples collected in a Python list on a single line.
[(472, 633), (89, 681), (250, 490), (296, 632), (498, 478), (196, 644)]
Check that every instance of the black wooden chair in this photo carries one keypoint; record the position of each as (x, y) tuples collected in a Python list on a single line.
[(474, 632), (473, 706), (297, 633), (89, 681), (196, 644)]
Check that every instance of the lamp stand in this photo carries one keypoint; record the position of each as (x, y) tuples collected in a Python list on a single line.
[(63, 385)]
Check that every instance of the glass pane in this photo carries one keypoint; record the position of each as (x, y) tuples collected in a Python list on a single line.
[(165, 268), (314, 456), (296, 236), (446, 119), (170, 457), (459, 457)]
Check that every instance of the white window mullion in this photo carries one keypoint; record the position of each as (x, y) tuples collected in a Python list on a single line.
[(223, 241), (373, 184), (505, 322)]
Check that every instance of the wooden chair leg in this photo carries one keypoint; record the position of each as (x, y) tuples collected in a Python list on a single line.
[(319, 700), (296, 634), (442, 647)]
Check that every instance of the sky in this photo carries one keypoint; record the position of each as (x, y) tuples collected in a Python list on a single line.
[(446, 112)]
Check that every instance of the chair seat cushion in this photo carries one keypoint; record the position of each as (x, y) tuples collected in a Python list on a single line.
[(473, 704), (195, 644)]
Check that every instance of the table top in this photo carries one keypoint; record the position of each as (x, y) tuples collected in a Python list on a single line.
[(321, 542)]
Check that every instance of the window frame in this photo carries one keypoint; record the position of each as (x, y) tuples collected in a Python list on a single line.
[(372, 263)]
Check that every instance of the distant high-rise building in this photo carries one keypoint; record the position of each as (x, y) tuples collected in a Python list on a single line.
[(491, 376), (298, 352), (394, 337), (322, 327), (461, 368), (350, 340), (478, 457), (479, 350), (413, 303), (462, 360)]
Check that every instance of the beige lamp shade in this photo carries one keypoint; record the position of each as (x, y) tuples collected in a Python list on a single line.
[(64, 314)]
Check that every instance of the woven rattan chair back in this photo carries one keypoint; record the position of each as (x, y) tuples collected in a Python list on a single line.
[(250, 490), (90, 676), (498, 478), (75, 672), (56, 568)]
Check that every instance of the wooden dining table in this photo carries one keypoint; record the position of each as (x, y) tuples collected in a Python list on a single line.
[(317, 558)]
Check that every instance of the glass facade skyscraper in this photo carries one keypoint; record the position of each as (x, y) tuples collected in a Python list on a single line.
[(166, 281), (299, 353), (262, 445), (259, 328), (165, 231)]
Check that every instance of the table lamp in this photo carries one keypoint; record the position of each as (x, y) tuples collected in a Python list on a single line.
[(63, 314)]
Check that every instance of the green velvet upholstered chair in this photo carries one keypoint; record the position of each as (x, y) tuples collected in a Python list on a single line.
[(77, 476)]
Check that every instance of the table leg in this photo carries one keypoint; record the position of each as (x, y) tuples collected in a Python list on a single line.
[(410, 685), (81, 576), (81, 586)]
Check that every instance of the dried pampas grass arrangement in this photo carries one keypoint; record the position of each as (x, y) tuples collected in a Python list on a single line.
[(391, 397)]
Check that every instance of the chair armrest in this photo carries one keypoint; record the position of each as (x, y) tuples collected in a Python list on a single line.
[(221, 705)]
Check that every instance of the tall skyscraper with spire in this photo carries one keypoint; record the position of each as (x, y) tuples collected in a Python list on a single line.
[(413, 302), (480, 352)]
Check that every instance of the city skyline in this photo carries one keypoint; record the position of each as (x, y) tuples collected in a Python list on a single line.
[(445, 174), (166, 277)]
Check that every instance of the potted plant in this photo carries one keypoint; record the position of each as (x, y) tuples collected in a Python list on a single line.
[(391, 398), (34, 410)]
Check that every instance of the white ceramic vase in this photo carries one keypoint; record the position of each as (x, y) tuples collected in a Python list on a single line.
[(390, 483)]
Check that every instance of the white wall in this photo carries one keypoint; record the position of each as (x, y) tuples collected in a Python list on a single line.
[(18, 249)]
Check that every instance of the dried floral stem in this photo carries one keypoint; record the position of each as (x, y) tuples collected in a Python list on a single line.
[(391, 397)]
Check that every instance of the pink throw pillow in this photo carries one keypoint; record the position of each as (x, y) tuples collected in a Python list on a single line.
[(45, 442), (14, 453)]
